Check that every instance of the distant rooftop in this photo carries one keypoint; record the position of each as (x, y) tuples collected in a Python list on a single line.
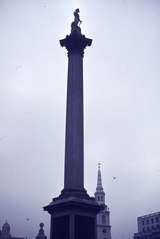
[(150, 215)]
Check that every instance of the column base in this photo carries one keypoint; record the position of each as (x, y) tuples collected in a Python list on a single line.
[(78, 193), (73, 218)]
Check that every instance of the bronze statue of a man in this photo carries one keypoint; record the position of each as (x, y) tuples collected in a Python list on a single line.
[(75, 26), (76, 17)]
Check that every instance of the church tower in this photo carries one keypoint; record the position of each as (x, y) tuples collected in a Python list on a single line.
[(103, 218)]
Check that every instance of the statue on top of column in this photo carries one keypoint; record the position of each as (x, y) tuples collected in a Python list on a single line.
[(75, 26)]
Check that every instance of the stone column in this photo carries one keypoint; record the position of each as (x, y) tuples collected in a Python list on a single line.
[(75, 44), (73, 213)]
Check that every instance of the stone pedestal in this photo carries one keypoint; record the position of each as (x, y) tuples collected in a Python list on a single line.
[(73, 218)]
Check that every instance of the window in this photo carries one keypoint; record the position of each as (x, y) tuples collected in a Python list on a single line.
[(152, 220), (147, 228), (103, 219), (147, 221), (153, 227), (143, 223), (143, 229), (98, 198), (104, 231), (157, 219)]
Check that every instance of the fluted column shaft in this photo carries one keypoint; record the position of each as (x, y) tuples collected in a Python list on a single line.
[(74, 178), (75, 44)]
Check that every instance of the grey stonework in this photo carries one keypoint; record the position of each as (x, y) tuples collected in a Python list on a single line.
[(73, 212), (5, 232), (148, 226), (41, 234), (103, 218)]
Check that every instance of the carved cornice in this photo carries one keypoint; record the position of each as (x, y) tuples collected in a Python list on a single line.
[(75, 43)]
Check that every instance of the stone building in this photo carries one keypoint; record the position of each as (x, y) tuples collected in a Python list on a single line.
[(41, 234), (103, 218), (5, 232), (148, 226)]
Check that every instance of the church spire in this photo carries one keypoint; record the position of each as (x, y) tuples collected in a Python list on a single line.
[(99, 194), (99, 179)]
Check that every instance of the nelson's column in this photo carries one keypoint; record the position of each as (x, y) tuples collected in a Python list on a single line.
[(73, 213)]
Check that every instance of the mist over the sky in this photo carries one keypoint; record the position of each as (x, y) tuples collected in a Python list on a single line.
[(122, 108)]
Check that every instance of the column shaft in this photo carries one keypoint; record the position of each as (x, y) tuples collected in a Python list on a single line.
[(74, 124)]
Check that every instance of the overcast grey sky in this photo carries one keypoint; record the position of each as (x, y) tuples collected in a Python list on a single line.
[(122, 113)]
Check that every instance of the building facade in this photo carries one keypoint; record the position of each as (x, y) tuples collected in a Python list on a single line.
[(5, 232), (148, 226), (103, 218)]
